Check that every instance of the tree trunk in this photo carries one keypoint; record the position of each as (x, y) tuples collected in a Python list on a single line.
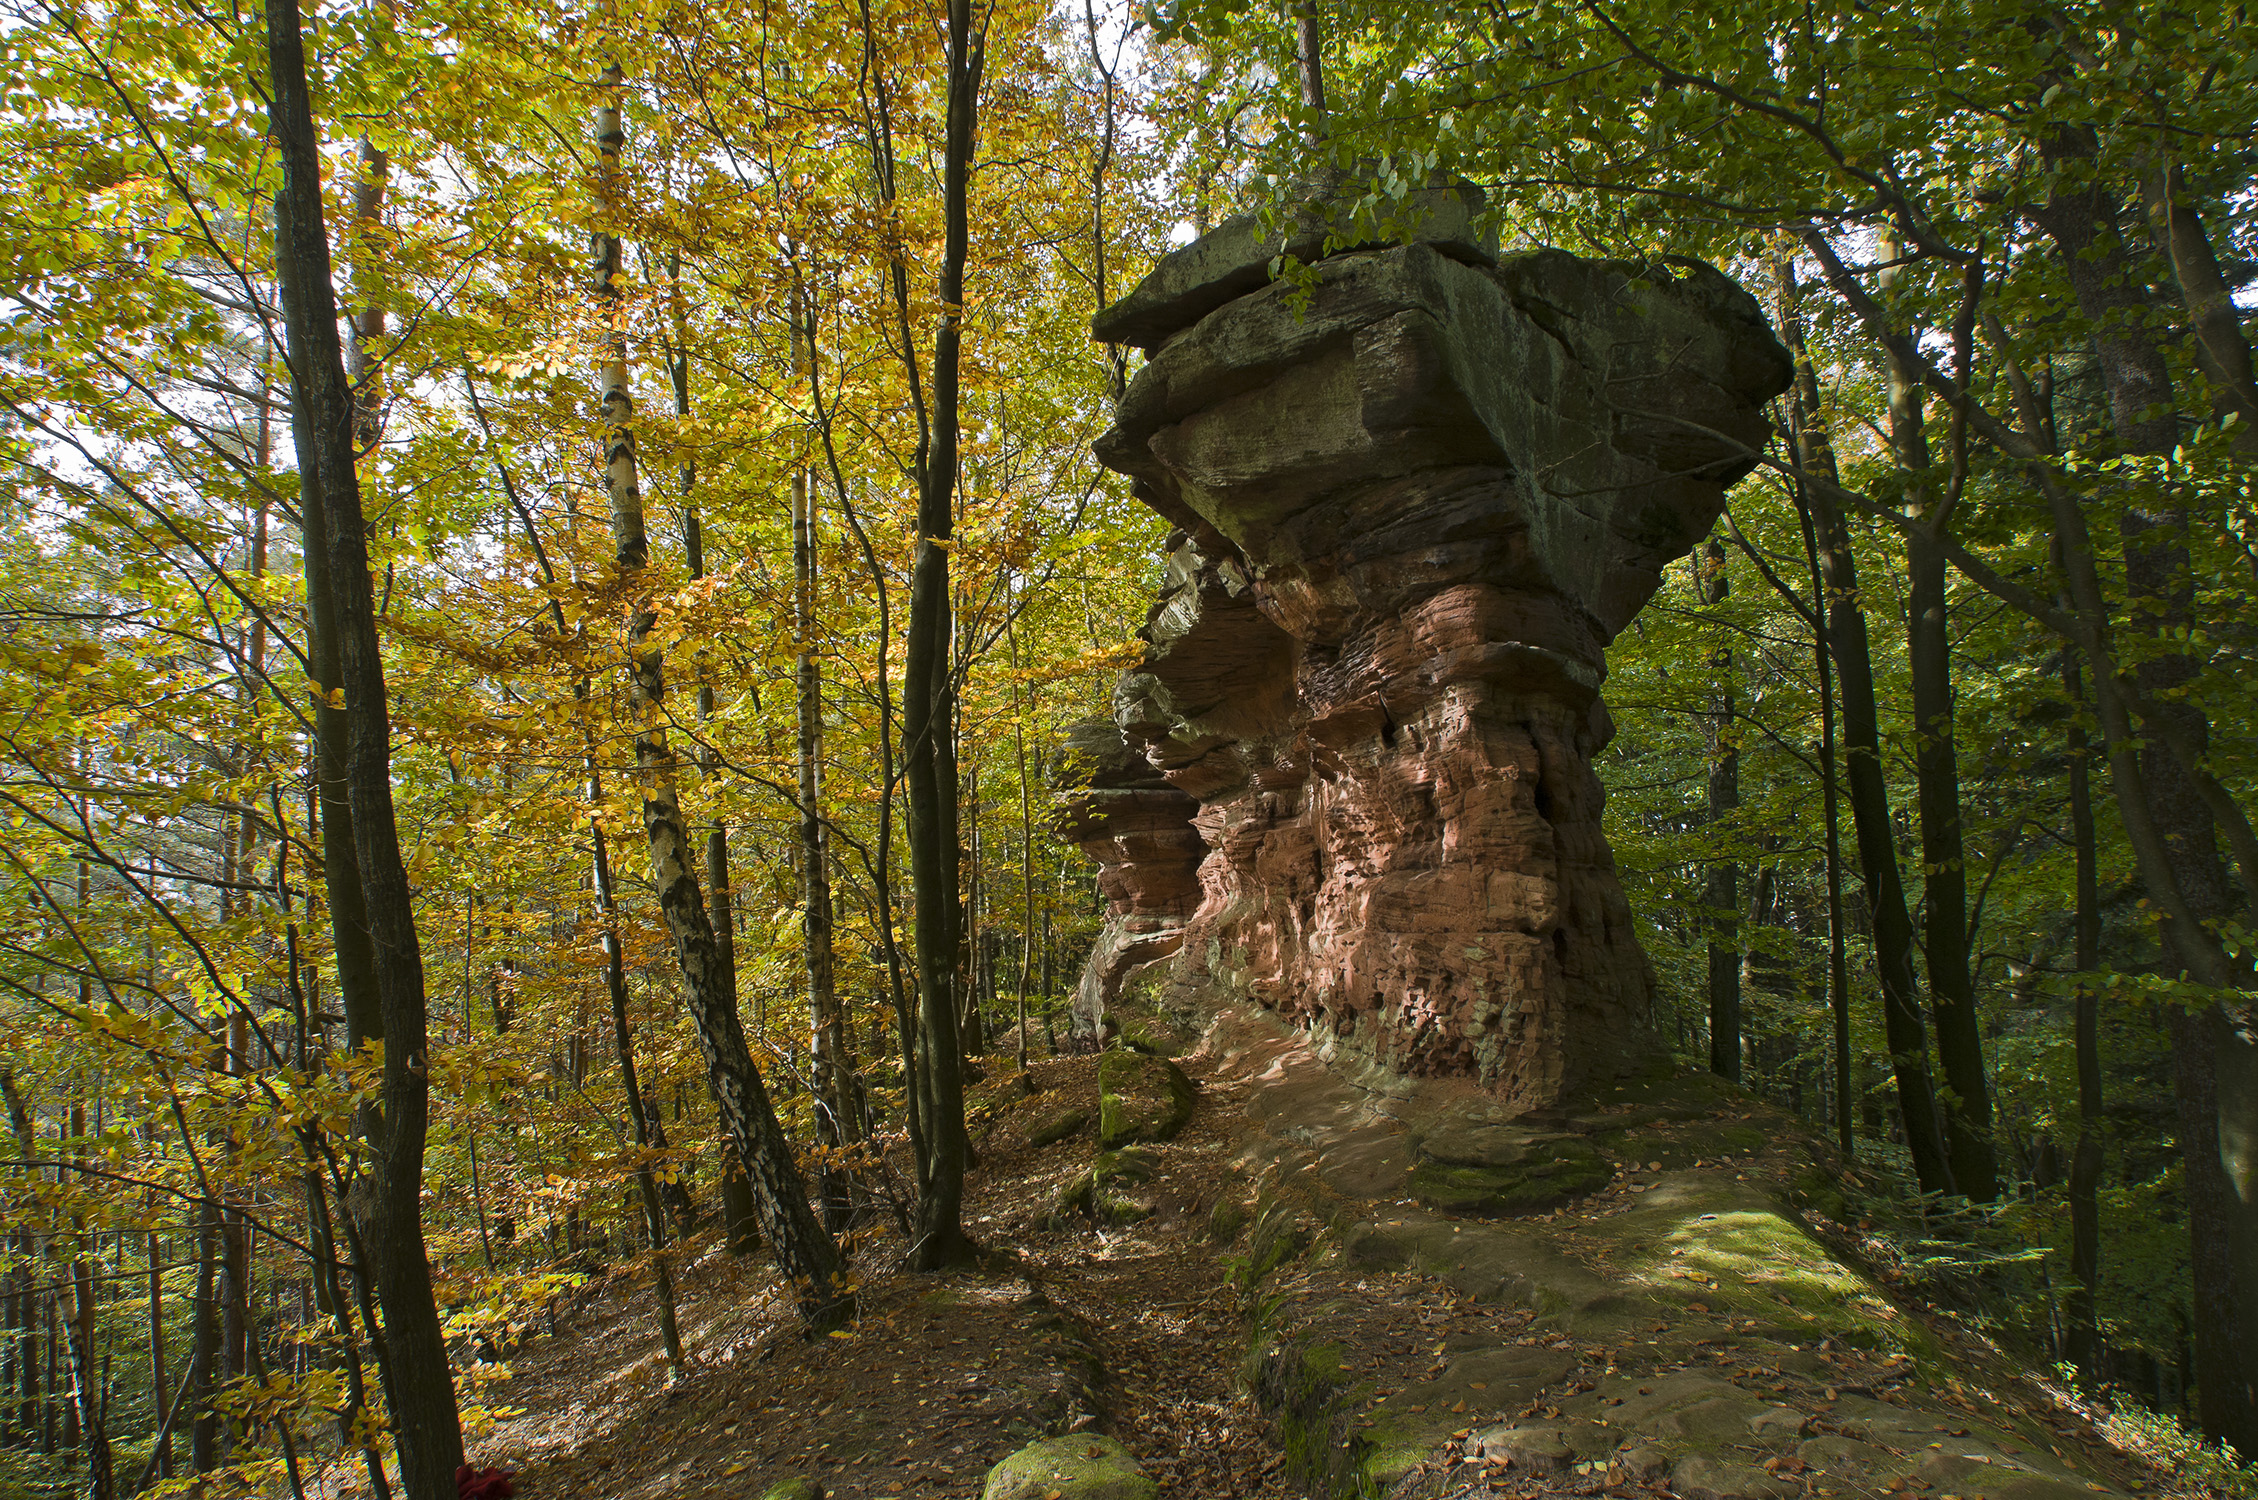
[(928, 702), (1309, 56), (1868, 789), (803, 1251), (2214, 1062), (386, 1203), (160, 1459), (830, 1044), (2083, 1345), (2222, 352), (86, 1400), (1721, 890), (1936, 776), (22, 1280), (1019, 716), (640, 1119), (740, 1227), (204, 1338), (1838, 961)]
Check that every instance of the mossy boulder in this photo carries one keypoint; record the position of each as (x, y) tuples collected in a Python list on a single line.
[(798, 1487), (1058, 1127), (1072, 1201), (1545, 1176), (1101, 1192), (1155, 1036), (1074, 1467), (1141, 1098)]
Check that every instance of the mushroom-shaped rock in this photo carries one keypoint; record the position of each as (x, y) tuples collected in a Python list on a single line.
[(1417, 492)]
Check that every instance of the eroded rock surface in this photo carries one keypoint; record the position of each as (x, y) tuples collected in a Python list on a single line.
[(1417, 495), (1682, 1324), (1138, 828)]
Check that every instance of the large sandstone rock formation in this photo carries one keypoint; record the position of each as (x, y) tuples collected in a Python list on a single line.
[(1418, 490)]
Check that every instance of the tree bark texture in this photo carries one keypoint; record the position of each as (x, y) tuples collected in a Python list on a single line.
[(928, 715), (386, 1204), (803, 1251)]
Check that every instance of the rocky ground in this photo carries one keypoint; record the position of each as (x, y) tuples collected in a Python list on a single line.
[(1319, 1284)]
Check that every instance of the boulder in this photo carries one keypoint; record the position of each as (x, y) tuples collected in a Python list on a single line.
[(1141, 1098), (1075, 1467), (798, 1487), (1540, 1177), (1066, 1123)]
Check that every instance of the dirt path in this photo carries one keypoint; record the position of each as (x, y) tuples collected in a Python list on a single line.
[(1130, 1332), (1528, 1356)]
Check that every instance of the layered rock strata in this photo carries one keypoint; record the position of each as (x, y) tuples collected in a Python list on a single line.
[(1417, 492)]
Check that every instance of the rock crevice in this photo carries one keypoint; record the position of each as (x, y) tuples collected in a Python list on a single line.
[(1416, 496)]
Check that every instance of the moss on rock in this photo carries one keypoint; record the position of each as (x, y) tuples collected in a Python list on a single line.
[(1067, 1122), (1141, 1098), (1074, 1467), (798, 1487), (1547, 1176), (1156, 1036)]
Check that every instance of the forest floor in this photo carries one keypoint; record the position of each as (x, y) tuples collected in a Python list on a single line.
[(1131, 1331), (1141, 1332)]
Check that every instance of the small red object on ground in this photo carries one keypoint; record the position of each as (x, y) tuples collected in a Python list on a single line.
[(484, 1484)]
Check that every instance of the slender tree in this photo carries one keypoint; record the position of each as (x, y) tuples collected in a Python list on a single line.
[(1721, 891), (803, 1250), (386, 1201), (928, 695)]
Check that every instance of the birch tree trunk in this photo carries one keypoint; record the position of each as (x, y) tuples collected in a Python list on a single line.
[(803, 1250)]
